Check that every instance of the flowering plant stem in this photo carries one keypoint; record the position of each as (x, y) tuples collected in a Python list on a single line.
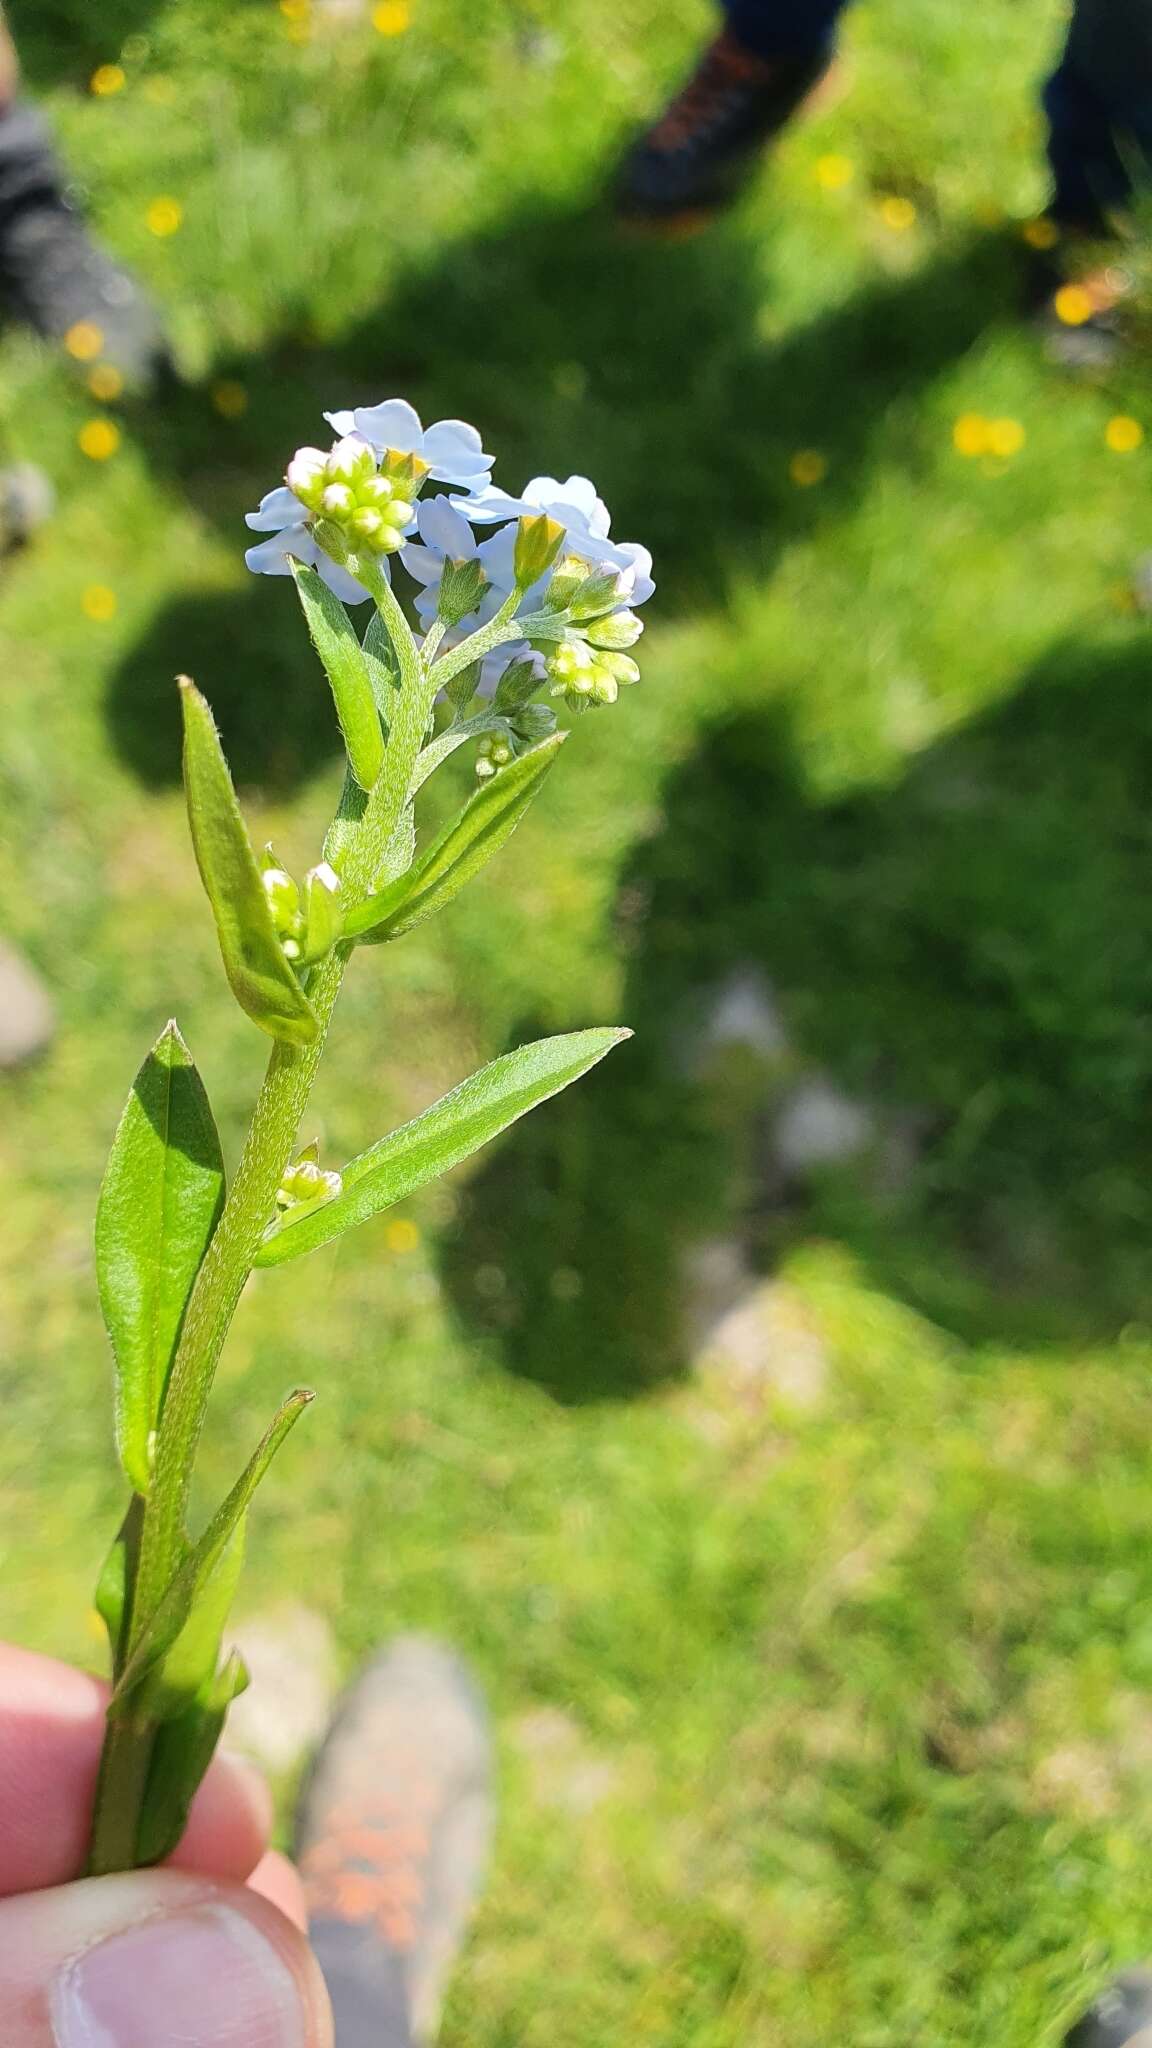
[(174, 1254)]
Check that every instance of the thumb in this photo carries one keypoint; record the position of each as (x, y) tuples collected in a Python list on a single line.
[(153, 1960)]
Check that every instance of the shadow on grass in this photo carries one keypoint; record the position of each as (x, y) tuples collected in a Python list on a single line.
[(976, 942), (576, 347)]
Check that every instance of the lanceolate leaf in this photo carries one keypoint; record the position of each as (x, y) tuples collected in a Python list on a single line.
[(348, 672), (480, 831), (160, 1199), (454, 1127), (194, 1577), (262, 980)]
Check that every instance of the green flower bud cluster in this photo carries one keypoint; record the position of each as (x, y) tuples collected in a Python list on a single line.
[(370, 502), (308, 922), (306, 1181), (590, 665), (517, 735)]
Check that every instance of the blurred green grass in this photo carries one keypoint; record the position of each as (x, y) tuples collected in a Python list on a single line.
[(858, 1730)]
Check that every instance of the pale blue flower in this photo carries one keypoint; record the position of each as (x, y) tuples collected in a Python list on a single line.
[(585, 517), (446, 536), (452, 449), (281, 515)]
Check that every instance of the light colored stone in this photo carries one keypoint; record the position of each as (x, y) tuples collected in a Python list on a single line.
[(765, 1344), (27, 1019), (818, 1125), (744, 1012), (283, 1715), (565, 1772)]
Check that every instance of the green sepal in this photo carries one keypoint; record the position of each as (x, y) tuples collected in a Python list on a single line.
[(117, 1575), (458, 693), (159, 1203), (335, 642), (261, 979), (461, 850), (183, 1749), (193, 1576), (444, 1135)]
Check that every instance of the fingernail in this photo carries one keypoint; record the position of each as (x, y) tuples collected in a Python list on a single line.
[(203, 1978)]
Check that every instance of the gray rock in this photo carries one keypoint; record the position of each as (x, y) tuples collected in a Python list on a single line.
[(817, 1125), (27, 1018)]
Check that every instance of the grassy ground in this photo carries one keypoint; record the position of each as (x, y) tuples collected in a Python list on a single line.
[(856, 1740)]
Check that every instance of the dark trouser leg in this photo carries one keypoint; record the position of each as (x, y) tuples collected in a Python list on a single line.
[(779, 28), (366, 1985), (1099, 108)]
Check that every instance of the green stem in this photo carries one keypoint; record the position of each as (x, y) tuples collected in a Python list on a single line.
[(124, 1764)]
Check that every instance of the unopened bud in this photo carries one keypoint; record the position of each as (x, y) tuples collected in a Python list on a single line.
[(306, 1181), (539, 540), (601, 589), (375, 490), (283, 901), (407, 472), (399, 512), (365, 526), (323, 915), (518, 685), (337, 501), (462, 586), (351, 461), (615, 630), (305, 475)]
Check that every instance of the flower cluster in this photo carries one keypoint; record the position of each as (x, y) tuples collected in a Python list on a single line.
[(475, 555)]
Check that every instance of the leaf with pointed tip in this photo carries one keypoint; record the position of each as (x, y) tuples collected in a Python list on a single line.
[(453, 1128), (335, 642), (192, 1579), (480, 831), (159, 1204), (117, 1574), (261, 979)]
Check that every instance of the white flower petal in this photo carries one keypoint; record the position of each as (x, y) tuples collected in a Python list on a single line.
[(446, 530), (424, 565), (485, 506), (341, 423), (340, 583), (270, 557), (276, 509), (394, 424)]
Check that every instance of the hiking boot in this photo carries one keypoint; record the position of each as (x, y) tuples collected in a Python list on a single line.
[(52, 274), (1121, 2017), (392, 1839), (695, 157)]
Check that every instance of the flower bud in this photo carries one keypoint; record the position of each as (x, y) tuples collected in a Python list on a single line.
[(305, 475), (569, 573), (462, 585), (323, 914), (306, 1181), (284, 903), (518, 684), (398, 513), (351, 461), (539, 540), (601, 590), (337, 502), (365, 526), (376, 490), (407, 472), (621, 666), (615, 630), (570, 660)]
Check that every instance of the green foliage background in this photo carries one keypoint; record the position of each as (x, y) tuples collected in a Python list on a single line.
[(858, 1736)]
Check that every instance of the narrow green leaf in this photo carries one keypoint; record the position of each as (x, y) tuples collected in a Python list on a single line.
[(453, 1128), (261, 979), (159, 1203), (347, 670), (480, 831), (183, 1750), (383, 668), (345, 825), (193, 1578)]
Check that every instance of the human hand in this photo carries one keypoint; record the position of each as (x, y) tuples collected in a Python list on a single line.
[(207, 1952)]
